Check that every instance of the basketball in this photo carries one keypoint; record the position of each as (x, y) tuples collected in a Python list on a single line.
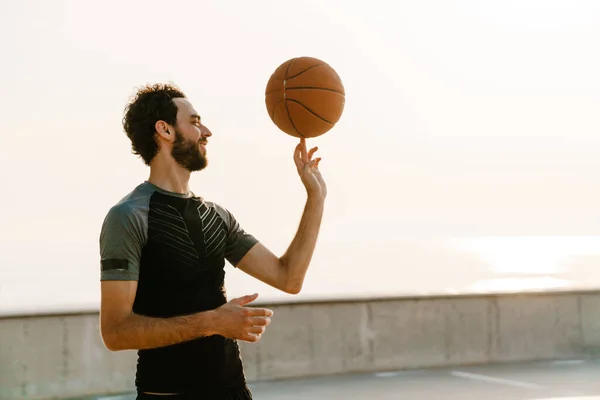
[(305, 97)]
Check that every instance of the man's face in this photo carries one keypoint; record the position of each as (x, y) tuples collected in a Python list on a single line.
[(189, 146)]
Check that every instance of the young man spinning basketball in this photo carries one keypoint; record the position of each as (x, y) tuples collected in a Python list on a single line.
[(163, 250)]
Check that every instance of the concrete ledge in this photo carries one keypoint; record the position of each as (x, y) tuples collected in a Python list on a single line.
[(46, 357)]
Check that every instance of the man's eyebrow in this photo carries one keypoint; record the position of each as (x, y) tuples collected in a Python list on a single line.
[(196, 116)]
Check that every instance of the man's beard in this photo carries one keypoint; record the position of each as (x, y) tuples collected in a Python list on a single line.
[(187, 153)]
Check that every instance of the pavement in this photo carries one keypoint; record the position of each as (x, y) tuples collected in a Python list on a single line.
[(557, 380)]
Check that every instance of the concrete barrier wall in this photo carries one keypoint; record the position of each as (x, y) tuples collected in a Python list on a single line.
[(58, 356)]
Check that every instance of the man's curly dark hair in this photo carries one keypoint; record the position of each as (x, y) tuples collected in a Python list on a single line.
[(150, 104)]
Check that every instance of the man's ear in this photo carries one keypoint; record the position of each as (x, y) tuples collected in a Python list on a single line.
[(163, 129)]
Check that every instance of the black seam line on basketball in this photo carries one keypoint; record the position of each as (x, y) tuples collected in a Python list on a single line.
[(301, 72), (275, 107), (309, 110), (287, 70), (314, 88), (291, 121)]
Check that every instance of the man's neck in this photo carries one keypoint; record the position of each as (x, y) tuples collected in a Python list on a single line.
[(169, 176)]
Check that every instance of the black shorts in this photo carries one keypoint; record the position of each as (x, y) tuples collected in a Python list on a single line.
[(241, 394)]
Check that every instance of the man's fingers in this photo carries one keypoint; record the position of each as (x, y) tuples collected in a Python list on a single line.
[(257, 330), (298, 162), (260, 321), (303, 149), (259, 312), (314, 163), (298, 150), (250, 338), (311, 152), (298, 156), (245, 299)]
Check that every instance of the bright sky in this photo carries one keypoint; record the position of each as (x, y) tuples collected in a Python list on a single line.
[(470, 137)]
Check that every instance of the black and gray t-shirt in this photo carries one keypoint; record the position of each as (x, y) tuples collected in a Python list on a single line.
[(175, 246)]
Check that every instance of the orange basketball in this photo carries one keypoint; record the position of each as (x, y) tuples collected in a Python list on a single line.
[(305, 97)]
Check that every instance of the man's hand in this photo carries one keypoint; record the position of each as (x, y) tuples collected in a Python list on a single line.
[(308, 169), (235, 321)]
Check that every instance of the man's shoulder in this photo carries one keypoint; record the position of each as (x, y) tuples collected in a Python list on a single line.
[(134, 203), (213, 204), (217, 206), (126, 222), (221, 210)]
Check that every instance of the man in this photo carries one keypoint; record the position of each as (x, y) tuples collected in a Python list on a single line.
[(163, 250)]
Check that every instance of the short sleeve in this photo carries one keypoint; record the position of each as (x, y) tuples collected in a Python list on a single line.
[(122, 238), (238, 241)]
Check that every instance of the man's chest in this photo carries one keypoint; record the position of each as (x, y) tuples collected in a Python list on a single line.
[(185, 233)]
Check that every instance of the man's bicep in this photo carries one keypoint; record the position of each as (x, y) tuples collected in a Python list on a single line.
[(246, 253), (122, 238), (238, 242), (119, 267), (262, 264), (117, 297), (116, 304)]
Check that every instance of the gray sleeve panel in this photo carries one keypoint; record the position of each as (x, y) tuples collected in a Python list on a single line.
[(123, 235), (238, 241)]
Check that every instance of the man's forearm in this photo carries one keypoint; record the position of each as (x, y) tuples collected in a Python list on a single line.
[(137, 332), (299, 254)]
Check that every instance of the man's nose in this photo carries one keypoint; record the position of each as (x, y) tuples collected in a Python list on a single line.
[(205, 131)]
